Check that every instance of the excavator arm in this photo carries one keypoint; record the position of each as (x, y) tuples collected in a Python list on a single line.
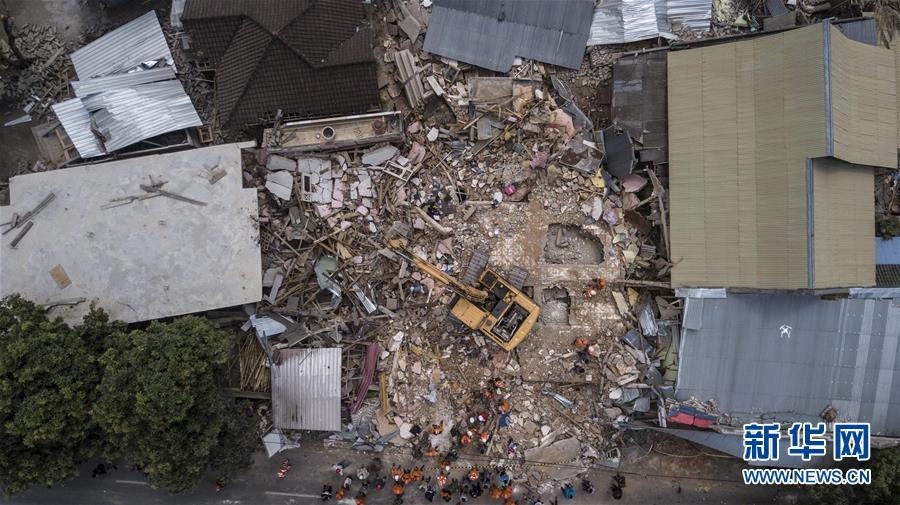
[(468, 292)]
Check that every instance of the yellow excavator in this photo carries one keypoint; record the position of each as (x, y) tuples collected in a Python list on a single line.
[(485, 301)]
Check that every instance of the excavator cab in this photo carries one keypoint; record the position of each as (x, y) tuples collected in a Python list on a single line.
[(485, 300), (506, 316)]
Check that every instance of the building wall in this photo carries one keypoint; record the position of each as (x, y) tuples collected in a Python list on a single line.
[(844, 224), (864, 102), (743, 119)]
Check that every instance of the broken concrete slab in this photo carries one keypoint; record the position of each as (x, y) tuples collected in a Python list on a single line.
[(276, 162), (280, 184), (315, 179), (380, 155)]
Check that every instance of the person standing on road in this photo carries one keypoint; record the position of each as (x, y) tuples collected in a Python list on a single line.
[(327, 492), (568, 491)]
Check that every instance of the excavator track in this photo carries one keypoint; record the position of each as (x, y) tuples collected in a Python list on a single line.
[(477, 264), (517, 277)]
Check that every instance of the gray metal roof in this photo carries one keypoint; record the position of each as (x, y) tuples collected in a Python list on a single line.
[(76, 122), (492, 34), (99, 84), (639, 101), (621, 21), (123, 49), (306, 390), (771, 355)]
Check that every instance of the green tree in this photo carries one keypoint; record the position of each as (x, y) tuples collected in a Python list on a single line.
[(885, 487), (48, 378), (237, 441), (159, 405)]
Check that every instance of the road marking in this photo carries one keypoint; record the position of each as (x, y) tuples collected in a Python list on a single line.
[(276, 493), (139, 483)]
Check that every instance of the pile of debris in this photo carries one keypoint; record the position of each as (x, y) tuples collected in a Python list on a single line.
[(45, 76)]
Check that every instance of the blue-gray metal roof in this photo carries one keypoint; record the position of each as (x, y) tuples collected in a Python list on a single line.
[(887, 252), (492, 34), (768, 355), (860, 30)]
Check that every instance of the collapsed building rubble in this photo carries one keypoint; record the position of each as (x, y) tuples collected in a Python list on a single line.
[(502, 164), (562, 175)]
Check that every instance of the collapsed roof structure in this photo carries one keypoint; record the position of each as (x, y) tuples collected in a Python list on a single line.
[(126, 92), (308, 58), (779, 129), (143, 238)]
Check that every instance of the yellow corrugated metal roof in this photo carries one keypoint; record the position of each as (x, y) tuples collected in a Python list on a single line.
[(745, 118)]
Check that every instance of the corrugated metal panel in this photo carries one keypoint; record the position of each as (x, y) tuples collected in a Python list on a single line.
[(743, 118), (99, 84), (306, 390), (694, 14), (844, 220), (864, 101), (76, 122), (860, 30), (492, 34), (621, 21), (123, 49), (887, 252), (129, 115), (792, 354)]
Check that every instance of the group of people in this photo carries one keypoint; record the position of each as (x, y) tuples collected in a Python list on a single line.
[(477, 429), (496, 482)]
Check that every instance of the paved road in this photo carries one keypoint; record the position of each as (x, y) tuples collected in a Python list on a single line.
[(312, 468)]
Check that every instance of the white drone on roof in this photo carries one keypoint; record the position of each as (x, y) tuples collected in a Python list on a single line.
[(786, 331)]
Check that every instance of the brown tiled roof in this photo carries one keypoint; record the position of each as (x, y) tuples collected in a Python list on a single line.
[(306, 57)]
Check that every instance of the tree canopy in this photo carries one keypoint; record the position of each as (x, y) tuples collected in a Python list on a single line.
[(149, 395), (237, 441), (885, 487), (159, 404), (48, 378)]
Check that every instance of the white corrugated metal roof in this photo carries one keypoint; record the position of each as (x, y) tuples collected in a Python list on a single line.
[(128, 115), (77, 123), (100, 84), (123, 49), (118, 97), (621, 21), (306, 390)]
